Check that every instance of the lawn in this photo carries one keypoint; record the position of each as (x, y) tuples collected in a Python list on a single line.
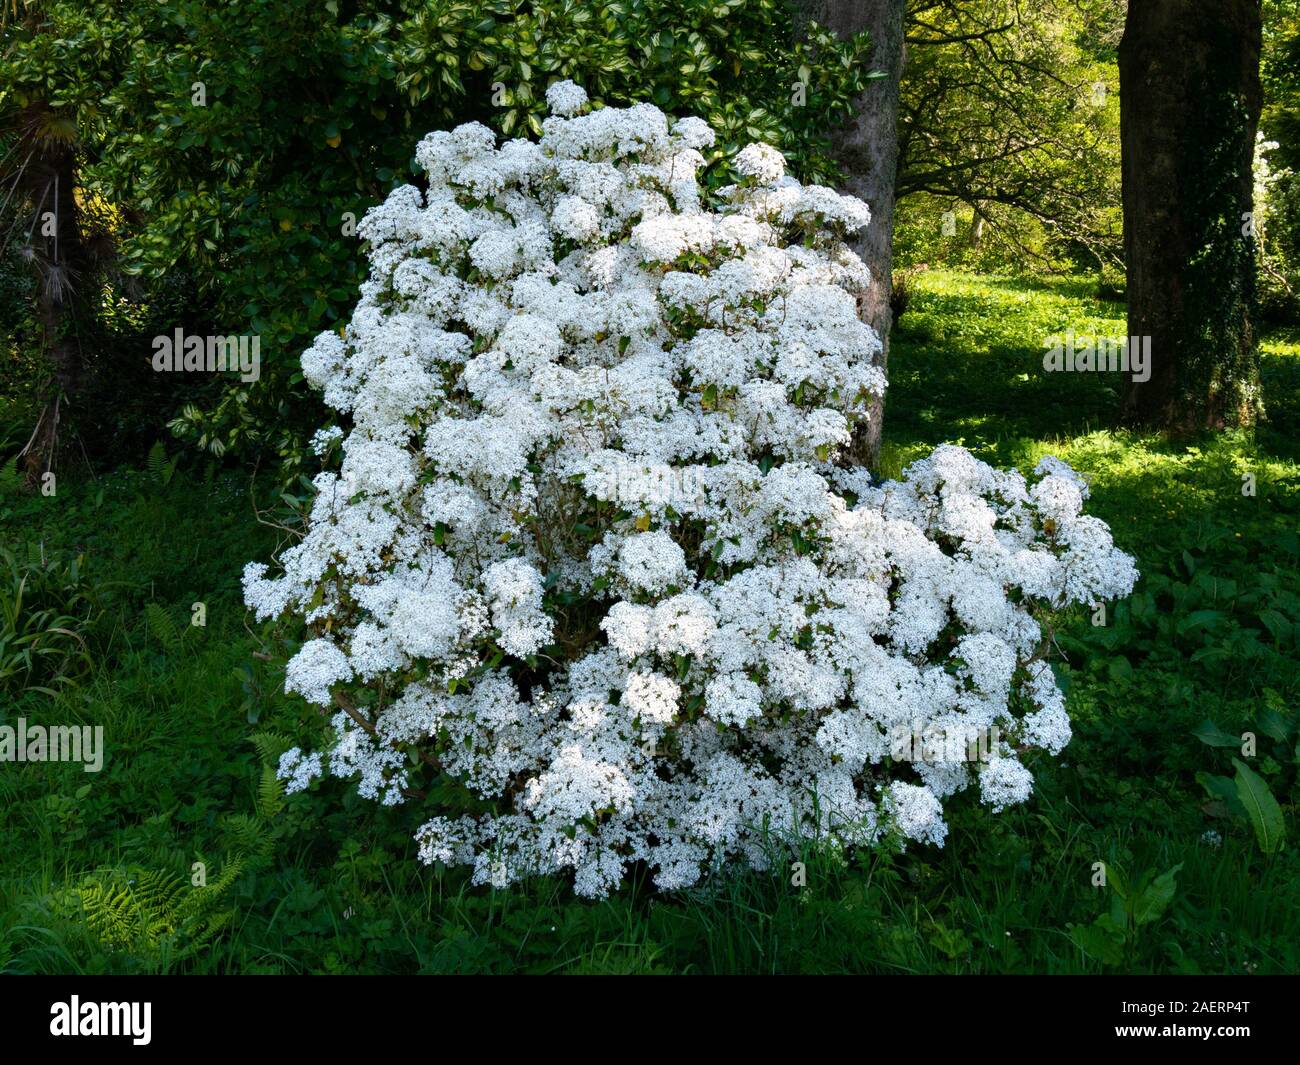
[(182, 855)]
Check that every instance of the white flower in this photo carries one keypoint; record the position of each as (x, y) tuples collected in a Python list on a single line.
[(652, 562), (313, 671), (298, 770), (592, 545), (514, 589), (652, 697), (1005, 782), (576, 786), (733, 699), (916, 813), (762, 162), (1050, 464), (694, 132), (565, 98), (323, 439), (575, 218)]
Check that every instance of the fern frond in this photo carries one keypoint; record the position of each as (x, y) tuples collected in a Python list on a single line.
[(156, 462), (270, 745), (249, 836), (157, 915), (201, 902), (10, 479), (132, 912), (270, 793), (163, 627)]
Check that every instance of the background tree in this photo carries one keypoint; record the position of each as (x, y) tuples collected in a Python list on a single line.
[(90, 389), (1280, 78), (1191, 99), (40, 223), (1000, 112), (1009, 120), (867, 149), (1277, 163)]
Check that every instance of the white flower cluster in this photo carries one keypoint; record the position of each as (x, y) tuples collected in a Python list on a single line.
[(591, 555)]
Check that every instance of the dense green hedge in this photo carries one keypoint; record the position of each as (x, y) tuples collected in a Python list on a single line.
[(236, 142)]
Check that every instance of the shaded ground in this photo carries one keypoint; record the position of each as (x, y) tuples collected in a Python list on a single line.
[(89, 863)]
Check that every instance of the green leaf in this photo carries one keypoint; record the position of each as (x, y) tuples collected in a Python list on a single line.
[(1273, 725), (1154, 899), (1100, 940), (1221, 789), (1200, 619), (1115, 881), (952, 943), (1276, 624), (1210, 734), (1262, 809)]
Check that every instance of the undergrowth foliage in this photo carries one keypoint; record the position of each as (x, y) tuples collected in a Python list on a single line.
[(590, 585), (48, 608)]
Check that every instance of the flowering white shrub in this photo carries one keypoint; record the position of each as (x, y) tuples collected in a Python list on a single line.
[(589, 560)]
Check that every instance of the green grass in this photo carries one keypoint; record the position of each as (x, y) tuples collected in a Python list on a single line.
[(324, 882)]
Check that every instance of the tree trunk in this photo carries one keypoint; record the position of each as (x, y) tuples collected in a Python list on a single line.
[(55, 248), (867, 148), (1190, 103)]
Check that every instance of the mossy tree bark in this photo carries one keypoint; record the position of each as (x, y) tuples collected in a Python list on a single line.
[(1191, 98)]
